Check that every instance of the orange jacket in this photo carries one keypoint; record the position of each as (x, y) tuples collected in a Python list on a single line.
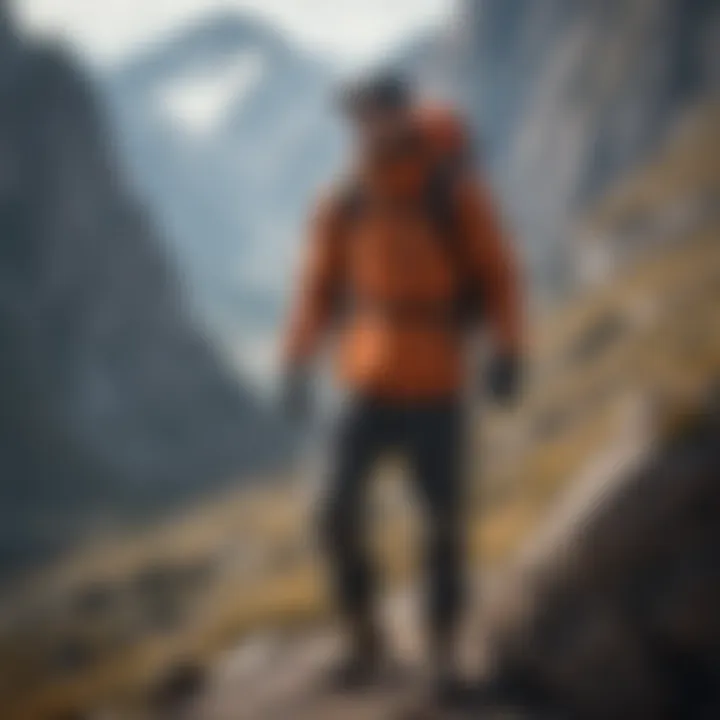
[(391, 254)]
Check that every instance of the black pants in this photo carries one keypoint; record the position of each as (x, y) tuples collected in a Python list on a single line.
[(431, 437)]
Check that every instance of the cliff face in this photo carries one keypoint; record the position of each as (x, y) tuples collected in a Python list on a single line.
[(112, 402), (567, 96)]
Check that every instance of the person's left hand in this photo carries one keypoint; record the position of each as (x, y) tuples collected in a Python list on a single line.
[(296, 394), (504, 378)]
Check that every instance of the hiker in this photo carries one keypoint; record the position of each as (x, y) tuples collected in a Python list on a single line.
[(406, 261)]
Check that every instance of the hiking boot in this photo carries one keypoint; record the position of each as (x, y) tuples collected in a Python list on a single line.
[(361, 667), (447, 685)]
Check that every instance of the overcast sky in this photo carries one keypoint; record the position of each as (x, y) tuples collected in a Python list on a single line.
[(353, 31)]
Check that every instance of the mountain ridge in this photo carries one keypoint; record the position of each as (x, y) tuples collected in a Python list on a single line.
[(115, 406)]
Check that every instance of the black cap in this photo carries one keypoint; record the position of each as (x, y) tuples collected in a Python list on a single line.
[(381, 91)]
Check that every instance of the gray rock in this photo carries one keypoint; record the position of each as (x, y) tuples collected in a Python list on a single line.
[(617, 618)]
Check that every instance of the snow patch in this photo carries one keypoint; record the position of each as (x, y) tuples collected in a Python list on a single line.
[(197, 104)]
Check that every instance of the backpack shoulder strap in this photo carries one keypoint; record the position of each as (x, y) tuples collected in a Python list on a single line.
[(442, 202), (443, 206)]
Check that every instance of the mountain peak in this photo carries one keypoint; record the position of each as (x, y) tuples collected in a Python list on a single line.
[(201, 45), (225, 25)]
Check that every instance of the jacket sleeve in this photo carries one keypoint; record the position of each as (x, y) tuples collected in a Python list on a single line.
[(312, 308), (493, 265)]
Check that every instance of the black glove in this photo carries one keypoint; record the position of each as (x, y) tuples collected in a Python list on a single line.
[(504, 379), (296, 393)]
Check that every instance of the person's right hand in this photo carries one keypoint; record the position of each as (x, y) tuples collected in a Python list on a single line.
[(295, 393)]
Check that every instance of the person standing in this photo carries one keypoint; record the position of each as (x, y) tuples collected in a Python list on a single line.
[(406, 261)]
